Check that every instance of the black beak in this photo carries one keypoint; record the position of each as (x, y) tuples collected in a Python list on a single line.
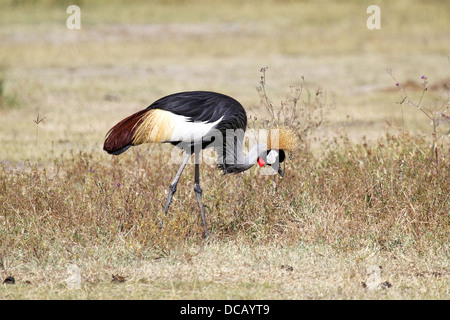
[(280, 171)]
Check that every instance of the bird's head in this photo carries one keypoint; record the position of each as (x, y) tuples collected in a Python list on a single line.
[(279, 140), (272, 158)]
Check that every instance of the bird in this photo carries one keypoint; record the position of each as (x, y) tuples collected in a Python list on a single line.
[(193, 121)]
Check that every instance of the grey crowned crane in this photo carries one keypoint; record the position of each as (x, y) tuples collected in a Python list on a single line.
[(194, 121)]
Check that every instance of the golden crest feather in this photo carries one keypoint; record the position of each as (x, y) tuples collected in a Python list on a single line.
[(283, 138)]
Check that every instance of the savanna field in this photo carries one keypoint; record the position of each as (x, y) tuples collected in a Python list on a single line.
[(362, 211)]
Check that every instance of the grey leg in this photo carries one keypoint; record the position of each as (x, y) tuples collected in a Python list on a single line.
[(198, 193), (173, 185)]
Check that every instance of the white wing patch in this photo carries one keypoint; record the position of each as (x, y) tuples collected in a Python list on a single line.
[(164, 126), (186, 131)]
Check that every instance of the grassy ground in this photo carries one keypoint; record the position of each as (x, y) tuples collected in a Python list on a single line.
[(364, 191), (216, 271)]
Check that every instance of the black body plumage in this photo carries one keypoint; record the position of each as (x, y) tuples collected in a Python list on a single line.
[(205, 106), (195, 106)]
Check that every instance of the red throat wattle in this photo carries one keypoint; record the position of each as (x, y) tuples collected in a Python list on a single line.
[(261, 162)]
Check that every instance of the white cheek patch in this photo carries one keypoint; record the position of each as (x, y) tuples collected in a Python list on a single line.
[(272, 157)]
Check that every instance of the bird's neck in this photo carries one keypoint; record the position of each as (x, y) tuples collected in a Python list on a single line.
[(237, 162)]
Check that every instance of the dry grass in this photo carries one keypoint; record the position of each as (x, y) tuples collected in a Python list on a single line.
[(215, 271), (365, 189), (385, 205)]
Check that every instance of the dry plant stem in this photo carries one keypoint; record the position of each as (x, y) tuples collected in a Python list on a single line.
[(303, 115), (431, 115), (37, 121), (268, 104)]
